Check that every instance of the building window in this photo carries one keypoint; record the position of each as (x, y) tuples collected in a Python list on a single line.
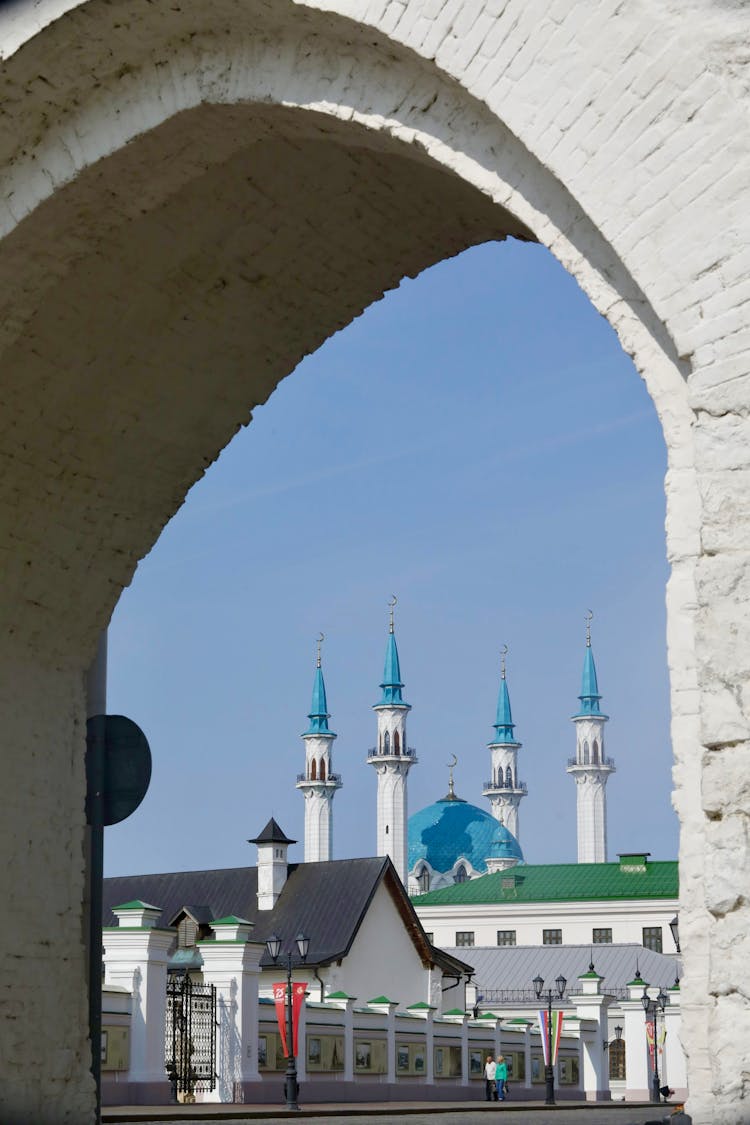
[(585, 753), (602, 937), (551, 937), (397, 743), (652, 938), (506, 937), (423, 879), (508, 779), (464, 937), (460, 876), (617, 1060), (386, 743)]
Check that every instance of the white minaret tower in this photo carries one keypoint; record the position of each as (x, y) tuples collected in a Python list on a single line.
[(504, 791), (392, 759), (318, 783), (591, 767)]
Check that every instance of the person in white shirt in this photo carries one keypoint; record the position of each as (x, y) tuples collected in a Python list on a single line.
[(489, 1079)]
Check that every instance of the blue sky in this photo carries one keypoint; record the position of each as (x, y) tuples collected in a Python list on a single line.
[(478, 444)]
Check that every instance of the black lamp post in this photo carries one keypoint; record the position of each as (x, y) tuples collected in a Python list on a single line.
[(273, 945), (652, 1009), (549, 1070)]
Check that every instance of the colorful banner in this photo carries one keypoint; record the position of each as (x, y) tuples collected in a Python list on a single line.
[(650, 1040), (557, 1019), (299, 991)]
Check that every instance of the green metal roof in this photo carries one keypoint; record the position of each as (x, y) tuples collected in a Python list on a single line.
[(136, 904), (561, 882)]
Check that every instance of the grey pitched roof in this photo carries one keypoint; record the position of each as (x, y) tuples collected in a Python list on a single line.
[(512, 968), (326, 900)]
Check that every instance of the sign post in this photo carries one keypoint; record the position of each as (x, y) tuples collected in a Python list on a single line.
[(118, 771)]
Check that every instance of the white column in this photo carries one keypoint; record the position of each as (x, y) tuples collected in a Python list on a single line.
[(464, 1052), (231, 963), (346, 1005), (135, 958), (591, 1009), (675, 1068), (388, 1008), (527, 1056), (637, 1087), (427, 1013)]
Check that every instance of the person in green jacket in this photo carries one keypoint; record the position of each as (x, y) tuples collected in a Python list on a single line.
[(501, 1078)]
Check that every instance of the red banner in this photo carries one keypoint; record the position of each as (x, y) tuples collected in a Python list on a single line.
[(299, 990), (650, 1039), (279, 999)]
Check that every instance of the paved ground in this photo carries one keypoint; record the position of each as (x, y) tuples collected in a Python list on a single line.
[(410, 1113)]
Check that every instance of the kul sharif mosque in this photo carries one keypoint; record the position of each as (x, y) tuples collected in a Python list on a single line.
[(451, 841)]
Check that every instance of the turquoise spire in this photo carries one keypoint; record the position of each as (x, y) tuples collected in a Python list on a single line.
[(392, 683), (318, 715), (590, 695), (504, 719)]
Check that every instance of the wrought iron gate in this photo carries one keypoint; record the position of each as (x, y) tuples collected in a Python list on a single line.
[(190, 1040)]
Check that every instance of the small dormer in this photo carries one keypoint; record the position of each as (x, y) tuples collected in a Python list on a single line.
[(273, 866), (192, 923)]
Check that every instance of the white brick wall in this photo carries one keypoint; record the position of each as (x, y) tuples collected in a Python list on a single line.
[(174, 242)]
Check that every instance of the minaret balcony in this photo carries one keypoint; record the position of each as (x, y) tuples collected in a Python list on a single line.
[(332, 781), (607, 764), (501, 787), (375, 755)]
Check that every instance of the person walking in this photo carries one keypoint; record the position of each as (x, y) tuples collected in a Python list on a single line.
[(501, 1078), (490, 1088)]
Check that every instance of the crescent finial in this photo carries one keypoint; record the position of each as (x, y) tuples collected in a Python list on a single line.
[(450, 775), (391, 604), (503, 654), (319, 642), (589, 616)]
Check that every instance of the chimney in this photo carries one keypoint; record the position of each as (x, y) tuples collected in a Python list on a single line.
[(272, 846)]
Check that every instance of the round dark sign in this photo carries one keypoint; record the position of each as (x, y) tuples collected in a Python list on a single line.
[(126, 768)]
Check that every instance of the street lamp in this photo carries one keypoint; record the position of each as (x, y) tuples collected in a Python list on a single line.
[(674, 926), (618, 1036), (549, 1070), (273, 945), (652, 1009)]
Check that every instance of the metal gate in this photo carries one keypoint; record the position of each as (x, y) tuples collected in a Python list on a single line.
[(190, 1040)]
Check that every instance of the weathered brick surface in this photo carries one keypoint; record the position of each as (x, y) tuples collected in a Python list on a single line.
[(193, 196)]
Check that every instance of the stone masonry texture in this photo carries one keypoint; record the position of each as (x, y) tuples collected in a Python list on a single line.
[(192, 197)]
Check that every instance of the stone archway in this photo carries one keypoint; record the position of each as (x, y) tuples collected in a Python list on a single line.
[(195, 196)]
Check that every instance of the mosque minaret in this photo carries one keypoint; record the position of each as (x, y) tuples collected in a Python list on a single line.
[(392, 759), (504, 791), (591, 767), (318, 783)]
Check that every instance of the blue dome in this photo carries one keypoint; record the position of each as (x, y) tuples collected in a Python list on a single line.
[(452, 829)]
